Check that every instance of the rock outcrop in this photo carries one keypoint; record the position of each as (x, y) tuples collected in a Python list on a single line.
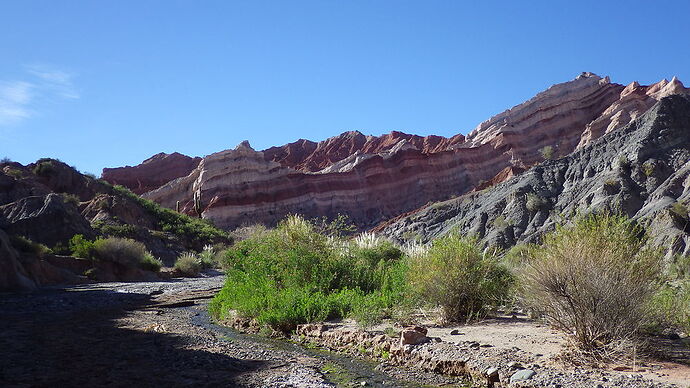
[(48, 202), (641, 170), (373, 179), (152, 172), (47, 219), (305, 155)]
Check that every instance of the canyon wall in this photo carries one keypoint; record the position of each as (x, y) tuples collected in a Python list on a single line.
[(373, 179), (641, 170), (152, 173)]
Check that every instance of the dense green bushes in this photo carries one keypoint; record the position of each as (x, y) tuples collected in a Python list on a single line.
[(124, 251), (594, 280), (293, 274), (597, 280), (456, 275)]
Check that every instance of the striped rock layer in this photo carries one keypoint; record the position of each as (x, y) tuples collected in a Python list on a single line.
[(372, 179)]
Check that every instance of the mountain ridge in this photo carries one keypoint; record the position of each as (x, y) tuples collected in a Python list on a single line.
[(373, 179)]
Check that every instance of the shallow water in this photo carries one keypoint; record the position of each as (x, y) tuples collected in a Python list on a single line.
[(350, 370)]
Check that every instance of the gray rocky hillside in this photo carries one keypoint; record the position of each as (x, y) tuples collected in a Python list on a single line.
[(641, 170)]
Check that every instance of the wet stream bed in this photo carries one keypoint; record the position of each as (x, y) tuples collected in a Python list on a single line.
[(338, 369)]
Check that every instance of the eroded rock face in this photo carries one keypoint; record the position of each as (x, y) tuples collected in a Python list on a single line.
[(641, 170), (152, 172), (305, 155), (46, 219), (373, 179)]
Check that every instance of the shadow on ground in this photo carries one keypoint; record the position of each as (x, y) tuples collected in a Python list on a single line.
[(66, 339)]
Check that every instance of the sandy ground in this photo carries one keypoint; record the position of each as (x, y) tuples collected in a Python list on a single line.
[(517, 332)]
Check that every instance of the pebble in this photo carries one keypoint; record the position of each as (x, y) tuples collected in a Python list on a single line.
[(515, 365), (522, 375)]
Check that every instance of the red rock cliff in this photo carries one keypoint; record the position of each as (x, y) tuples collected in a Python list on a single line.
[(152, 173), (372, 179)]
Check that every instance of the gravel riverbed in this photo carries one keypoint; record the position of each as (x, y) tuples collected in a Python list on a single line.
[(159, 334)]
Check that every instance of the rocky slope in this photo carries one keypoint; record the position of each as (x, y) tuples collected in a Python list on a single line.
[(373, 179), (48, 202), (641, 169)]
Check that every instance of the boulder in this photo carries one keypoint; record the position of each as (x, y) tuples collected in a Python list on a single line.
[(522, 375), (413, 335)]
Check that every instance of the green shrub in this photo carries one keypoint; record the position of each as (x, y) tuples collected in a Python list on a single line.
[(648, 168), (500, 222), (115, 230), (44, 167), (294, 274), (534, 203), (337, 227), (81, 247), (456, 275), (60, 249), (680, 209), (188, 264), (547, 152), (150, 263), (594, 280), (671, 305), (71, 199), (517, 257), (679, 268), (25, 245), (207, 257), (122, 251), (14, 173), (197, 231)]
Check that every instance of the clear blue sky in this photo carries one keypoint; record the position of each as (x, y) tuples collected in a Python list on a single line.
[(108, 83)]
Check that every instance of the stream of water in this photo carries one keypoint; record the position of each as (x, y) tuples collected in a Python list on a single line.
[(350, 370)]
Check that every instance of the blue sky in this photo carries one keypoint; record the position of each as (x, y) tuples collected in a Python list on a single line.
[(108, 83)]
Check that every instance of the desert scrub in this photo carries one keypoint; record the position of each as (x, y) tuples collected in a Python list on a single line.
[(517, 257), (534, 202), (456, 275), (71, 199), (122, 251), (80, 246), (671, 304), (44, 167), (208, 257), (295, 274), (113, 229), (680, 209), (547, 152), (197, 231), (150, 263), (188, 264), (594, 280), (648, 168), (25, 245)]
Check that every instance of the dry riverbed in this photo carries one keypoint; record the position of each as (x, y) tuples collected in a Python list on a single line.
[(159, 334)]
